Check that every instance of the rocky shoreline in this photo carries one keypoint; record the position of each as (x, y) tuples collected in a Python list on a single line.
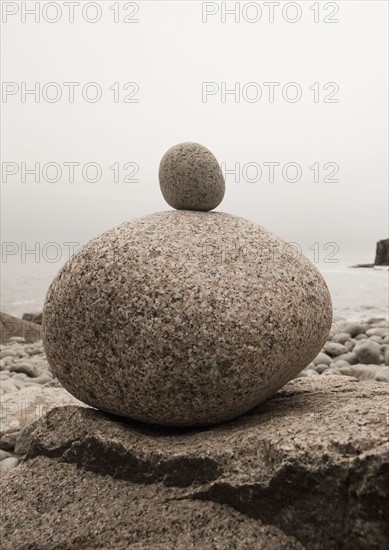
[(29, 389)]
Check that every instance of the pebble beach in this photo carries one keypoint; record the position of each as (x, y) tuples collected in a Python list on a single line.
[(29, 389)]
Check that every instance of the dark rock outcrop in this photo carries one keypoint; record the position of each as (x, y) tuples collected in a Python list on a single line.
[(13, 327), (382, 253), (308, 468), (33, 317)]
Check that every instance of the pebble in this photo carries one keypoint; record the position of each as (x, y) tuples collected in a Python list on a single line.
[(350, 345), (350, 357), (190, 178), (4, 454), (307, 372), (354, 329), (333, 349), (17, 339), (368, 352), (8, 464), (321, 368), (332, 372), (339, 364), (383, 375), (322, 358), (25, 368), (362, 372), (377, 332), (8, 440), (377, 339), (341, 337)]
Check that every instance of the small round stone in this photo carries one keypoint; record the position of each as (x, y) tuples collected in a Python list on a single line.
[(184, 318), (190, 178)]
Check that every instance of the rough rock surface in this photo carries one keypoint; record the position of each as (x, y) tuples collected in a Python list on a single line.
[(310, 463), (382, 253), (33, 317), (11, 327), (183, 318), (190, 178), (21, 408)]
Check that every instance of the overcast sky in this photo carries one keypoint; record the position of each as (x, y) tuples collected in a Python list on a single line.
[(169, 53)]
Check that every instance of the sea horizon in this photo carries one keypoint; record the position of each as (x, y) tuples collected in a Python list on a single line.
[(358, 293)]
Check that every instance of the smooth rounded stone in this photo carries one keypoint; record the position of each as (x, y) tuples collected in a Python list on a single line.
[(155, 321), (8, 464), (362, 372), (307, 372), (7, 361), (190, 178), (350, 357), (383, 375), (354, 329), (8, 386), (340, 364), (4, 454), (341, 337), (350, 344), (368, 352), (382, 332), (322, 358), (25, 368), (386, 357), (8, 440), (19, 351), (33, 350), (18, 339), (44, 378), (385, 340), (333, 349), (8, 352), (321, 368), (361, 336), (19, 380), (377, 339), (332, 372), (384, 323)]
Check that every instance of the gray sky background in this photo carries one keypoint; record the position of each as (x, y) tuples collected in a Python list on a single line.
[(169, 53)]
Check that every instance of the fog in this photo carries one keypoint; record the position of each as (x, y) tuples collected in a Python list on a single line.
[(168, 50)]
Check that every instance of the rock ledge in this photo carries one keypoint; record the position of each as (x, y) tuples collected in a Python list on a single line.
[(308, 468)]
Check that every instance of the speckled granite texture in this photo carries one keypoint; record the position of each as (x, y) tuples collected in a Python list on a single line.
[(311, 463), (190, 178), (184, 318)]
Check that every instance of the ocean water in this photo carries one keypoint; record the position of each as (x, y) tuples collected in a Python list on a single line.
[(357, 293)]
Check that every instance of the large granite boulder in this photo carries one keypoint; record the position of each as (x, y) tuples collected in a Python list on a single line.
[(184, 318), (309, 468)]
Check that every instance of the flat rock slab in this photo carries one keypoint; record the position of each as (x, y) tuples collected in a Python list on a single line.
[(22, 407), (308, 468)]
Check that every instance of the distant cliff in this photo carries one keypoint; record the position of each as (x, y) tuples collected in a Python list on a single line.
[(382, 253)]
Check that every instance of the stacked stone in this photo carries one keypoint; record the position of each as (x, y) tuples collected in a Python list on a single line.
[(152, 321)]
